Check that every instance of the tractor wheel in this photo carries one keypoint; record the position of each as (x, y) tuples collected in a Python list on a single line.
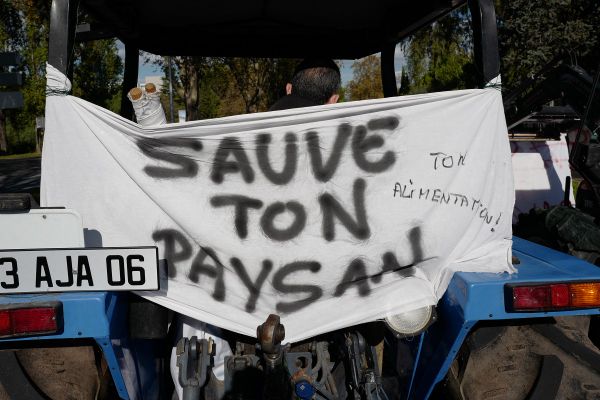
[(57, 373), (550, 360)]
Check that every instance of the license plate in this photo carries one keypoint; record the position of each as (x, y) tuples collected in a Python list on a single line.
[(78, 269)]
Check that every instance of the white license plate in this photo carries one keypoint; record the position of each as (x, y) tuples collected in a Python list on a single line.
[(75, 270)]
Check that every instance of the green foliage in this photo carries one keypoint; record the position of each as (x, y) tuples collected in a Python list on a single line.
[(24, 27), (366, 79), (534, 33), (439, 57), (210, 87), (531, 35), (404, 83), (260, 81), (11, 26), (20, 134), (97, 73)]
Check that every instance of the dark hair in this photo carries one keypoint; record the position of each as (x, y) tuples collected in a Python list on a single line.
[(316, 80)]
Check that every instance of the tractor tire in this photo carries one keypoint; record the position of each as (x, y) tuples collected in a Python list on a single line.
[(57, 373), (550, 360)]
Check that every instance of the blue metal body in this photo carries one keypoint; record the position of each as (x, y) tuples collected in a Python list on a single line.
[(474, 297), (100, 316), (471, 297)]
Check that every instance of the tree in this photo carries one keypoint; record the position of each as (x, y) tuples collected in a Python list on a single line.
[(534, 33), (24, 27), (439, 57), (10, 39), (260, 81), (218, 86), (404, 83), (97, 73), (366, 79)]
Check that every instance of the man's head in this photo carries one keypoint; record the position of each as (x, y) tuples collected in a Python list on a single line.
[(316, 79)]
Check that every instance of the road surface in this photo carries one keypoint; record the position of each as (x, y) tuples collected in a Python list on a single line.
[(20, 175)]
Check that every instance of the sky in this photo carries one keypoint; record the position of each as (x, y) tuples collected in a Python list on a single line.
[(150, 69)]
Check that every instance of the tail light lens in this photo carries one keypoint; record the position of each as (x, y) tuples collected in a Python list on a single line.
[(30, 319), (555, 296), (585, 294)]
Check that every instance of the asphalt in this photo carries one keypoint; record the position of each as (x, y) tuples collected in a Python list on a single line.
[(20, 175)]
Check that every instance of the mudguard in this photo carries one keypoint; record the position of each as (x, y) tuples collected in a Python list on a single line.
[(474, 297)]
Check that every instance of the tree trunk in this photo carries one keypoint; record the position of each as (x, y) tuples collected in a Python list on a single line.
[(192, 99), (188, 75)]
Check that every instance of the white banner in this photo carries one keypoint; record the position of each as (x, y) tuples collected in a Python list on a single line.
[(328, 216)]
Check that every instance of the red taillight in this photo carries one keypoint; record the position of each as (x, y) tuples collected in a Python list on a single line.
[(555, 296), (30, 320), (4, 323)]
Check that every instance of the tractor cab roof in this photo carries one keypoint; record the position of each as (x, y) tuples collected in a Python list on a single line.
[(339, 29)]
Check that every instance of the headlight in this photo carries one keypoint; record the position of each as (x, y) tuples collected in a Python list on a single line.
[(412, 322)]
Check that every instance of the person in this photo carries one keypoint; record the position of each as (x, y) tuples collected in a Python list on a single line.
[(316, 81)]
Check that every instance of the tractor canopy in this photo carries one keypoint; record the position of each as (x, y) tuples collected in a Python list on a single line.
[(339, 29)]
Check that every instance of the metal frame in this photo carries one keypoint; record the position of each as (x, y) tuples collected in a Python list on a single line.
[(388, 71), (98, 316), (485, 40), (473, 297), (63, 16)]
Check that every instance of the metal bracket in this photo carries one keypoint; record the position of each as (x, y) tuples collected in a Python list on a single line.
[(194, 358)]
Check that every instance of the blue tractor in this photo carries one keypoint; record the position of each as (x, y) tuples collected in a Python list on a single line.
[(525, 335)]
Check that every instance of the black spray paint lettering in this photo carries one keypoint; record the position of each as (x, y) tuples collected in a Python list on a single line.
[(255, 286), (331, 210), (313, 292), (267, 221), (408, 191), (158, 149), (355, 275), (331, 207), (324, 172), (231, 147), (213, 270), (390, 262), (207, 263), (177, 248), (241, 205), (231, 157), (362, 144), (443, 160), (291, 158)]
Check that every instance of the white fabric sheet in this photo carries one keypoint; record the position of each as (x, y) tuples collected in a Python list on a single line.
[(328, 216)]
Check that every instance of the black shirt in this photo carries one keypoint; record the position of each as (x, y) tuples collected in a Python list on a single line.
[(292, 101)]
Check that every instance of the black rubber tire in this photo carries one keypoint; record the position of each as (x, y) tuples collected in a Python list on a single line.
[(57, 373), (553, 360)]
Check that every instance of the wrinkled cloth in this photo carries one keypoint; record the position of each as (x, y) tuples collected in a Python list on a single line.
[(329, 216), (148, 109)]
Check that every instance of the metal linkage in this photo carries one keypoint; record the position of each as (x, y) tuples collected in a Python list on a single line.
[(269, 335), (194, 358), (312, 382), (362, 359)]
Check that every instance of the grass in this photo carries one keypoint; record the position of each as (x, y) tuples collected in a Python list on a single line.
[(19, 156)]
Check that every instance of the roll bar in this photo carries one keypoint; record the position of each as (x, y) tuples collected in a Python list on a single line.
[(62, 35)]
